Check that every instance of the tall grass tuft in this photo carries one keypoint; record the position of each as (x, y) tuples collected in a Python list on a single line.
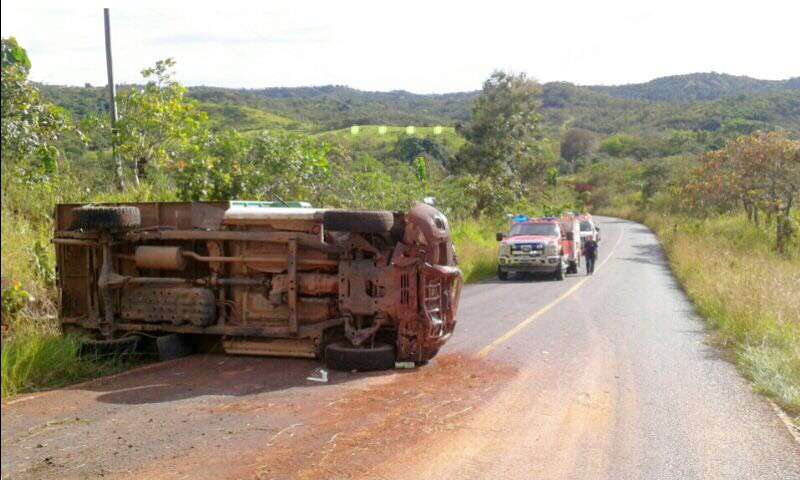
[(476, 248), (36, 356)]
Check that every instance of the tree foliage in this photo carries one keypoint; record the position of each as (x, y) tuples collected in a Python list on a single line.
[(272, 165), (577, 143), (504, 149), (31, 127), (759, 172), (158, 125)]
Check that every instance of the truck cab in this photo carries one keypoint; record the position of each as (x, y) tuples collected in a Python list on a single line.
[(532, 246)]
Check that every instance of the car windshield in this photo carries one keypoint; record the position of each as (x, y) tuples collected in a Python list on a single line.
[(586, 226), (549, 229)]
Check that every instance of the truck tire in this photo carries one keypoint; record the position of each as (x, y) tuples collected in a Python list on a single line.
[(559, 275), (92, 217), (343, 356), (502, 275), (573, 267), (377, 221)]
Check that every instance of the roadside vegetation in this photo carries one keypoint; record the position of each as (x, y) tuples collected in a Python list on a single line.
[(514, 146)]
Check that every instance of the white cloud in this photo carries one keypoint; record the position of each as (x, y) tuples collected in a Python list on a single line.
[(422, 46)]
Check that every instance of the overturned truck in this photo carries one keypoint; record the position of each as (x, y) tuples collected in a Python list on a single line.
[(358, 289)]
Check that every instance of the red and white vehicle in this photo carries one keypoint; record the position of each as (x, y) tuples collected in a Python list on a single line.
[(588, 228), (539, 245)]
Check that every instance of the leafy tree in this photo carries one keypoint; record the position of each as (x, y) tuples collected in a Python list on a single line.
[(158, 125), (272, 166), (504, 132), (504, 149), (757, 172), (30, 126), (365, 182), (619, 146), (577, 143)]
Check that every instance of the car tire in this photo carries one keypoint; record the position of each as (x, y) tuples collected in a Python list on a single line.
[(94, 218), (357, 221), (345, 357)]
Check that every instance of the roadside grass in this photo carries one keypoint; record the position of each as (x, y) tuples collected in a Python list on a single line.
[(37, 356), (748, 294), (476, 248)]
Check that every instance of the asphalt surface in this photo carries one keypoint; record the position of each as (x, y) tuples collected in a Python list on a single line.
[(603, 377)]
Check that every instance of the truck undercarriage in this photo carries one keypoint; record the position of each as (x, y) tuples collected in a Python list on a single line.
[(357, 288)]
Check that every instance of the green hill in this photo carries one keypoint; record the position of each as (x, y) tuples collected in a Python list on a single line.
[(701, 102), (332, 107), (247, 119), (567, 104), (696, 87)]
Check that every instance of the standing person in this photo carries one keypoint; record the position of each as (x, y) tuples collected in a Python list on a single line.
[(590, 253)]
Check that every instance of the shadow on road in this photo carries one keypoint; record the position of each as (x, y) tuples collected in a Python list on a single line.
[(530, 278), (213, 374), (648, 253)]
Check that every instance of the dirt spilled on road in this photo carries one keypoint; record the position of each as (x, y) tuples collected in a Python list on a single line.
[(361, 429)]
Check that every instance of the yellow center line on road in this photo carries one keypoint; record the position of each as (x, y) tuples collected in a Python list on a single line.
[(521, 326)]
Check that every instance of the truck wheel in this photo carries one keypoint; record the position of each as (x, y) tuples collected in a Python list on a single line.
[(378, 221), (502, 275), (92, 217), (560, 272), (343, 356)]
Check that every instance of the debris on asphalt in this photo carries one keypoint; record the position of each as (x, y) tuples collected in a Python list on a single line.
[(319, 375)]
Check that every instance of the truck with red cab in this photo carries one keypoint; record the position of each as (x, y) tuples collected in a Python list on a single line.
[(538, 245)]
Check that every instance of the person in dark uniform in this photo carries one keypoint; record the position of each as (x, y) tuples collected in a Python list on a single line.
[(590, 253)]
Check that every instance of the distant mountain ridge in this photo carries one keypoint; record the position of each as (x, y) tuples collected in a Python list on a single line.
[(338, 106), (698, 101), (695, 87)]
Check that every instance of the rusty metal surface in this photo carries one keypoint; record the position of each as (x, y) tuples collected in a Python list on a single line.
[(191, 269), (176, 305), (307, 284), (275, 347), (159, 258)]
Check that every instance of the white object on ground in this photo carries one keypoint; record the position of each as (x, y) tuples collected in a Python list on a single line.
[(320, 375)]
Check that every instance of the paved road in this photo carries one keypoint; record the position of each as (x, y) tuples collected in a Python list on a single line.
[(602, 377)]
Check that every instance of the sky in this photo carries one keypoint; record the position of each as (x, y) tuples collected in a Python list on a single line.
[(431, 46)]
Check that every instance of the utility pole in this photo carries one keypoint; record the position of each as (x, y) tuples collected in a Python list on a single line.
[(112, 98)]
